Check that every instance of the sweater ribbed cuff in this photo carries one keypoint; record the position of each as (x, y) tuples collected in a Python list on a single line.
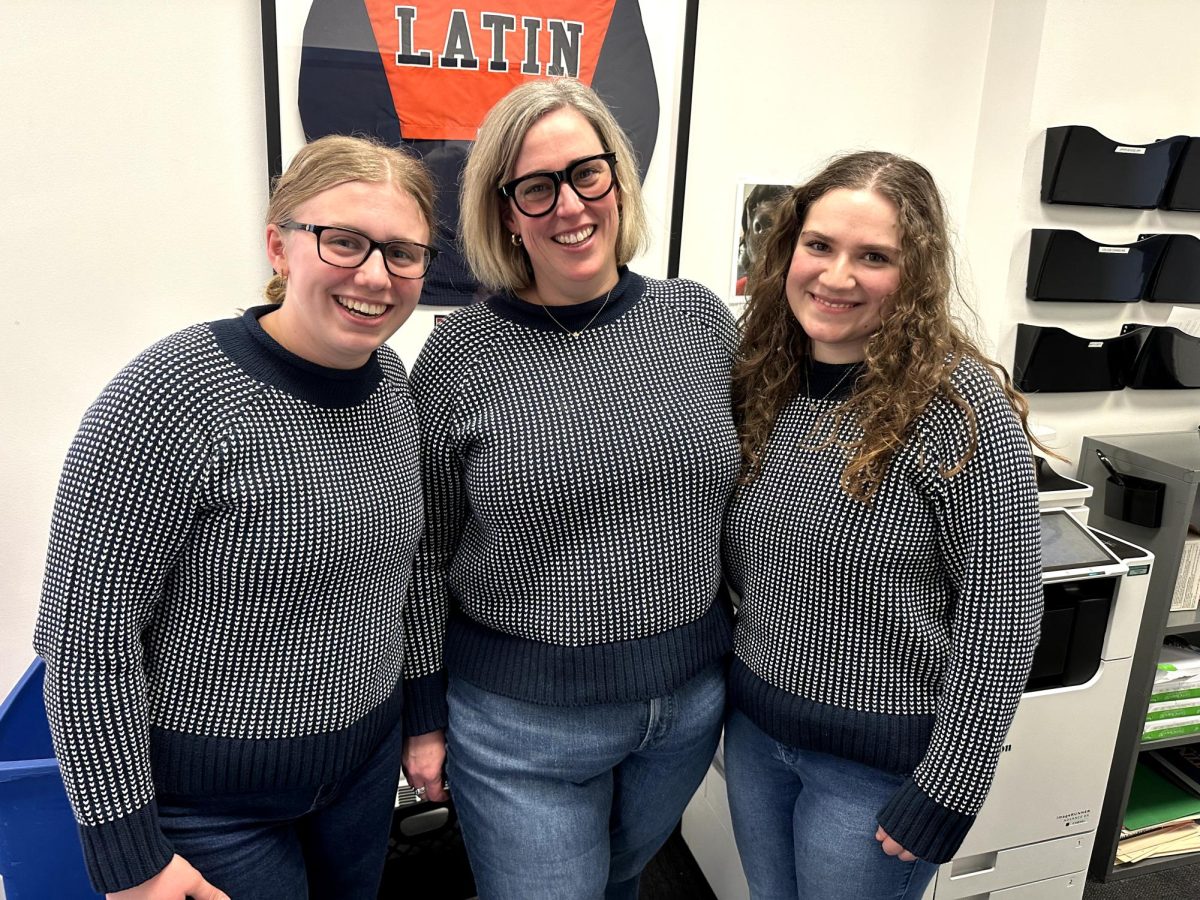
[(125, 852), (425, 704), (923, 827)]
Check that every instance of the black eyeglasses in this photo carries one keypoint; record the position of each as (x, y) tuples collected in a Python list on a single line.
[(537, 194), (349, 249)]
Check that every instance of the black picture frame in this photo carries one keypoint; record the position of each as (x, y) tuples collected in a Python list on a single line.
[(665, 202)]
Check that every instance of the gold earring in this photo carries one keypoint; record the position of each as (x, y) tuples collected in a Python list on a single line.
[(515, 239)]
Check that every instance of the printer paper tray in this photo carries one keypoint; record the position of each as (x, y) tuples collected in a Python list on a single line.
[(995, 872)]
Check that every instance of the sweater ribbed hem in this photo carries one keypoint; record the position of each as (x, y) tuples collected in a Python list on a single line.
[(618, 672), (192, 764), (125, 852), (425, 704), (923, 827), (892, 743)]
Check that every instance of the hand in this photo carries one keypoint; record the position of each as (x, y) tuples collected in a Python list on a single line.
[(890, 847), (177, 881), (424, 762)]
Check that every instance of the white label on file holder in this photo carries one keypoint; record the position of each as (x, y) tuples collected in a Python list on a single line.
[(1113, 249), (1137, 151)]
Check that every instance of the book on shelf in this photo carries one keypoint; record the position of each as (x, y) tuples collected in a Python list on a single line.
[(1187, 582), (1181, 764)]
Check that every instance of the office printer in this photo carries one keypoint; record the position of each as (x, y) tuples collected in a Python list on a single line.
[(1034, 834)]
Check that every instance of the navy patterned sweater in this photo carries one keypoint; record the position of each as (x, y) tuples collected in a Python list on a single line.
[(229, 557), (900, 633), (575, 489)]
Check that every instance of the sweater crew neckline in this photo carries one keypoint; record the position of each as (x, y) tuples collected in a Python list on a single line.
[(576, 318), (831, 381), (263, 358)]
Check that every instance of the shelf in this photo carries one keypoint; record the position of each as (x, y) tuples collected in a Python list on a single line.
[(1174, 460), (1158, 864), (1183, 621), (1169, 742)]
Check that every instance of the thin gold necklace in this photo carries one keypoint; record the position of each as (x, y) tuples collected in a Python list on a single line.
[(853, 367), (574, 334)]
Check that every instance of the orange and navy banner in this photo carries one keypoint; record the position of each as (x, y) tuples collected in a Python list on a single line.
[(425, 73), (448, 63)]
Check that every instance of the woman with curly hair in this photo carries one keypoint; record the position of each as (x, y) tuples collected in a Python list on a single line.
[(885, 542)]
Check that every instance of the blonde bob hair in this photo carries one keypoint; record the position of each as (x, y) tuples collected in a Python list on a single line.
[(336, 159), (496, 262)]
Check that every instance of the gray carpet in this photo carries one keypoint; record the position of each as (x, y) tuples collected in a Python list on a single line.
[(1182, 883), (435, 868)]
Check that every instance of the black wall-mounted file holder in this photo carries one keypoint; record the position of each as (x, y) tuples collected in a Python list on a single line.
[(1066, 265), (1183, 188), (1082, 166), (1052, 360), (1176, 278), (1168, 359)]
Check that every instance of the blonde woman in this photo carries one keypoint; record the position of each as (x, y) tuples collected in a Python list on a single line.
[(229, 557), (578, 451)]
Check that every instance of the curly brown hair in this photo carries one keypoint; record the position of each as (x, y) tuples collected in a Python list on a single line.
[(909, 360)]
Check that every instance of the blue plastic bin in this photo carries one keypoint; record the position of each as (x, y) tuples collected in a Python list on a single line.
[(40, 857)]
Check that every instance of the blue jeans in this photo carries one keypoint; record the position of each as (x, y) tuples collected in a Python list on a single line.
[(328, 841), (805, 822), (572, 802)]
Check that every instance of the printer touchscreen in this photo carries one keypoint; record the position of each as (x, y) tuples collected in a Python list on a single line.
[(1068, 546)]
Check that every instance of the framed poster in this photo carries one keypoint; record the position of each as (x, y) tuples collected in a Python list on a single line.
[(424, 73), (753, 214)]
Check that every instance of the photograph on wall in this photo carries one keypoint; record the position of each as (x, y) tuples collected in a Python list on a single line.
[(424, 74), (754, 212)]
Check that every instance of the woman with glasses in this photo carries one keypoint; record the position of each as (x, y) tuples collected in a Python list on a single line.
[(885, 543), (578, 451), (230, 554)]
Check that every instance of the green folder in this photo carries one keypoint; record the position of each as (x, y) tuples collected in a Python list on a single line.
[(1154, 800)]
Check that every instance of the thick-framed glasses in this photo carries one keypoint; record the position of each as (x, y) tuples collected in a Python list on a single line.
[(536, 194), (349, 249)]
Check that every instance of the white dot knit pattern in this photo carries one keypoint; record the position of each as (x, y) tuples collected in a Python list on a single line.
[(575, 490), (229, 558), (898, 633)]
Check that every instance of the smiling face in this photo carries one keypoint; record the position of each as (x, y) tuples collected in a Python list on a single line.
[(573, 248), (845, 268), (338, 317)]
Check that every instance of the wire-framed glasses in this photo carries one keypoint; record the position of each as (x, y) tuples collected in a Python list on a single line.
[(536, 194), (349, 249)]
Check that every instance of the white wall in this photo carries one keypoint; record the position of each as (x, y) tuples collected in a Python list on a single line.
[(966, 87), (133, 154)]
